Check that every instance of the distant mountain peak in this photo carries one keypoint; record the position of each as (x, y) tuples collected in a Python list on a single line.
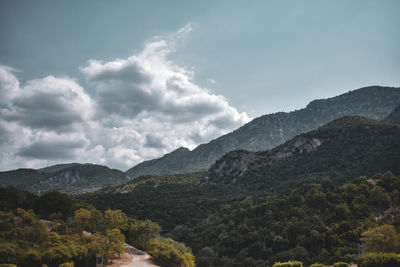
[(268, 131)]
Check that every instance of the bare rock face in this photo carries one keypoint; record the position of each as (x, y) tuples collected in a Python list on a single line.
[(233, 164), (297, 145)]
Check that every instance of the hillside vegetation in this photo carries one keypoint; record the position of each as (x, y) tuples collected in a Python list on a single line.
[(349, 147), (73, 233), (313, 223), (68, 178), (268, 131), (345, 148)]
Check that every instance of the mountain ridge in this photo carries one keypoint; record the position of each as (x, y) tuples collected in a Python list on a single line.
[(346, 147), (270, 130), (69, 178)]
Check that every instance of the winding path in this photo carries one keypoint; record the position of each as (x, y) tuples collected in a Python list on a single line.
[(133, 257)]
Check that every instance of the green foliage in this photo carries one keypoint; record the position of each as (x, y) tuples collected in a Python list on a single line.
[(110, 243), (291, 226), (26, 241), (169, 253), (53, 203), (170, 201), (288, 264), (7, 265), (341, 264), (115, 219), (66, 264), (81, 220), (317, 265), (13, 198), (139, 233), (379, 260), (383, 238)]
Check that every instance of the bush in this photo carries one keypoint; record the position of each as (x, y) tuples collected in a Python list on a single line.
[(169, 253), (317, 265), (288, 264), (7, 265), (380, 259), (341, 264), (66, 264)]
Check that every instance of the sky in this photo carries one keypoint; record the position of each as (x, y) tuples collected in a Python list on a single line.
[(119, 82)]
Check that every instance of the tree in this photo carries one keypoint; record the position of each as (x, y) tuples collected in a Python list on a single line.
[(53, 203), (111, 243), (81, 220), (115, 219), (116, 240), (381, 239), (141, 232), (169, 253)]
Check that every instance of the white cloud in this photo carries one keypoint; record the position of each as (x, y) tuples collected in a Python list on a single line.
[(145, 105), (56, 104)]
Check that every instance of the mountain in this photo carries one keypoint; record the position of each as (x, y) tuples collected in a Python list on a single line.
[(69, 178), (169, 163), (270, 130), (346, 148), (58, 167), (337, 152), (394, 116)]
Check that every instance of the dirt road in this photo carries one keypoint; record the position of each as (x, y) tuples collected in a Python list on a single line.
[(133, 257)]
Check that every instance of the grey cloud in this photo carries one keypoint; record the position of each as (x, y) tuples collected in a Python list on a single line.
[(225, 122), (126, 99), (154, 141), (4, 135), (64, 149), (131, 73), (43, 111), (189, 112)]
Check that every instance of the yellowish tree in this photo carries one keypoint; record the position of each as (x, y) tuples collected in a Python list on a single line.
[(381, 239), (115, 219)]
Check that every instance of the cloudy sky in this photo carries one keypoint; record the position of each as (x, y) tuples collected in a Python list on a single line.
[(119, 82)]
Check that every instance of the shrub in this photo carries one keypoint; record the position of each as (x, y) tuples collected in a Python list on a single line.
[(66, 264), (169, 253), (341, 264), (288, 264), (7, 265), (317, 265), (380, 259)]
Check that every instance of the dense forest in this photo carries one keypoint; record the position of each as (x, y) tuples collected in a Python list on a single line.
[(313, 223)]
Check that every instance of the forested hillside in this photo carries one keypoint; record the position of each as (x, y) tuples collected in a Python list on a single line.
[(268, 131), (346, 148), (68, 178), (313, 223)]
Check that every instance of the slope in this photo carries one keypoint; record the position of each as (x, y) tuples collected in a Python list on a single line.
[(347, 147), (71, 178), (270, 130)]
